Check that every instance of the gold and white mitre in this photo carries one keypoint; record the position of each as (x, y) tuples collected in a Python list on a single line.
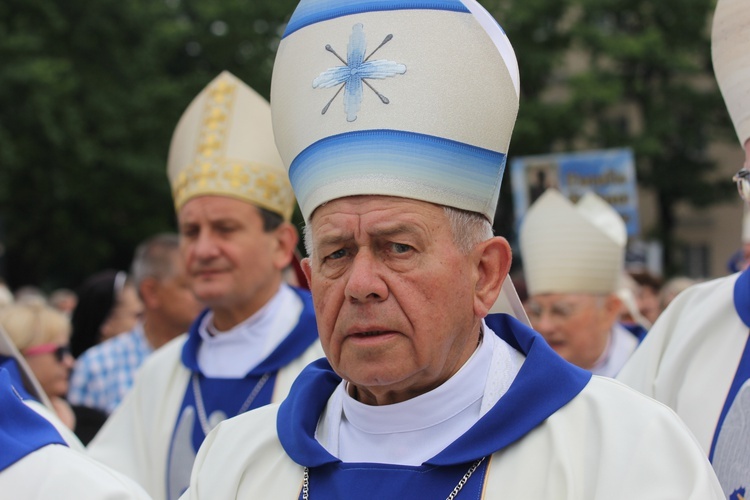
[(409, 98), (569, 248), (730, 41), (223, 145)]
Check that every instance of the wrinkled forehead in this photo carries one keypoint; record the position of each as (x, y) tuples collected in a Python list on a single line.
[(376, 211), (374, 216), (373, 203)]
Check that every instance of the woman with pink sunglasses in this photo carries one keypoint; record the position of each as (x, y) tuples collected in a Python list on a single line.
[(42, 334)]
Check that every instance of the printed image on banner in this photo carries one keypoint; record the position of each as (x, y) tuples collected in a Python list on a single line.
[(609, 173)]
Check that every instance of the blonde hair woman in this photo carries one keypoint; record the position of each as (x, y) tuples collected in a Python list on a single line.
[(42, 334)]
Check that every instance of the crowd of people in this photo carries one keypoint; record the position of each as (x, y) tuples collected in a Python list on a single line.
[(395, 360)]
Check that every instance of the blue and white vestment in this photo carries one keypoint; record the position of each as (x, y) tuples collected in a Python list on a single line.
[(35, 461), (154, 434), (558, 432), (696, 360)]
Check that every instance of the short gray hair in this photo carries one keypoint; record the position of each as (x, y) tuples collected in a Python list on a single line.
[(154, 258), (468, 229)]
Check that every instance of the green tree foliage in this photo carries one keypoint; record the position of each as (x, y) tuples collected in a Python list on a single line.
[(90, 93), (649, 85)]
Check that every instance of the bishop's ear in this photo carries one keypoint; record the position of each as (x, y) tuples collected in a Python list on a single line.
[(306, 270), (493, 265), (286, 238)]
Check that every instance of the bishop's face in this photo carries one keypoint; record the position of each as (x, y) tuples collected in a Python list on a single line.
[(576, 325), (393, 295), (233, 264)]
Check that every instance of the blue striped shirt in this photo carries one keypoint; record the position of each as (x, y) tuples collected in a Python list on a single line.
[(104, 373)]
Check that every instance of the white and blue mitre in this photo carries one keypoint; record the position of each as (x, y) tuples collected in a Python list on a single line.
[(415, 99), (730, 36)]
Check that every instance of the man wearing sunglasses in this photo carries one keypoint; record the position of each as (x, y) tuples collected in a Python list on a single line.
[(696, 357)]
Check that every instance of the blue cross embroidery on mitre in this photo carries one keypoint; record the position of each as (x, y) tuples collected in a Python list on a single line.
[(357, 70)]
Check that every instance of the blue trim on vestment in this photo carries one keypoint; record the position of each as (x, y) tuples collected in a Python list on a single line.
[(299, 412), (742, 306), (742, 297), (16, 377), (189, 356), (544, 384), (636, 329), (369, 480), (22, 430), (315, 11), (228, 394)]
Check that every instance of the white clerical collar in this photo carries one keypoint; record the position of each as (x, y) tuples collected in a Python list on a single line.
[(620, 346), (440, 404), (601, 362), (411, 432), (233, 353)]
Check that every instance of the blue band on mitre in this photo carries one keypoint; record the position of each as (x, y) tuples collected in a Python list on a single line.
[(314, 11), (397, 163)]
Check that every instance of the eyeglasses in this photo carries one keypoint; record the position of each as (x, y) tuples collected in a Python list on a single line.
[(562, 310), (559, 312), (742, 178), (60, 351)]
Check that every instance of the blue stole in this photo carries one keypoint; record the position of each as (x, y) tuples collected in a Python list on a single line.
[(742, 306), (729, 444), (544, 384), (16, 378), (638, 330), (227, 395), (22, 430)]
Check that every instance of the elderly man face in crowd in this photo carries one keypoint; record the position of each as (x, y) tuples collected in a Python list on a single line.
[(577, 326), (573, 257), (169, 303), (399, 301)]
